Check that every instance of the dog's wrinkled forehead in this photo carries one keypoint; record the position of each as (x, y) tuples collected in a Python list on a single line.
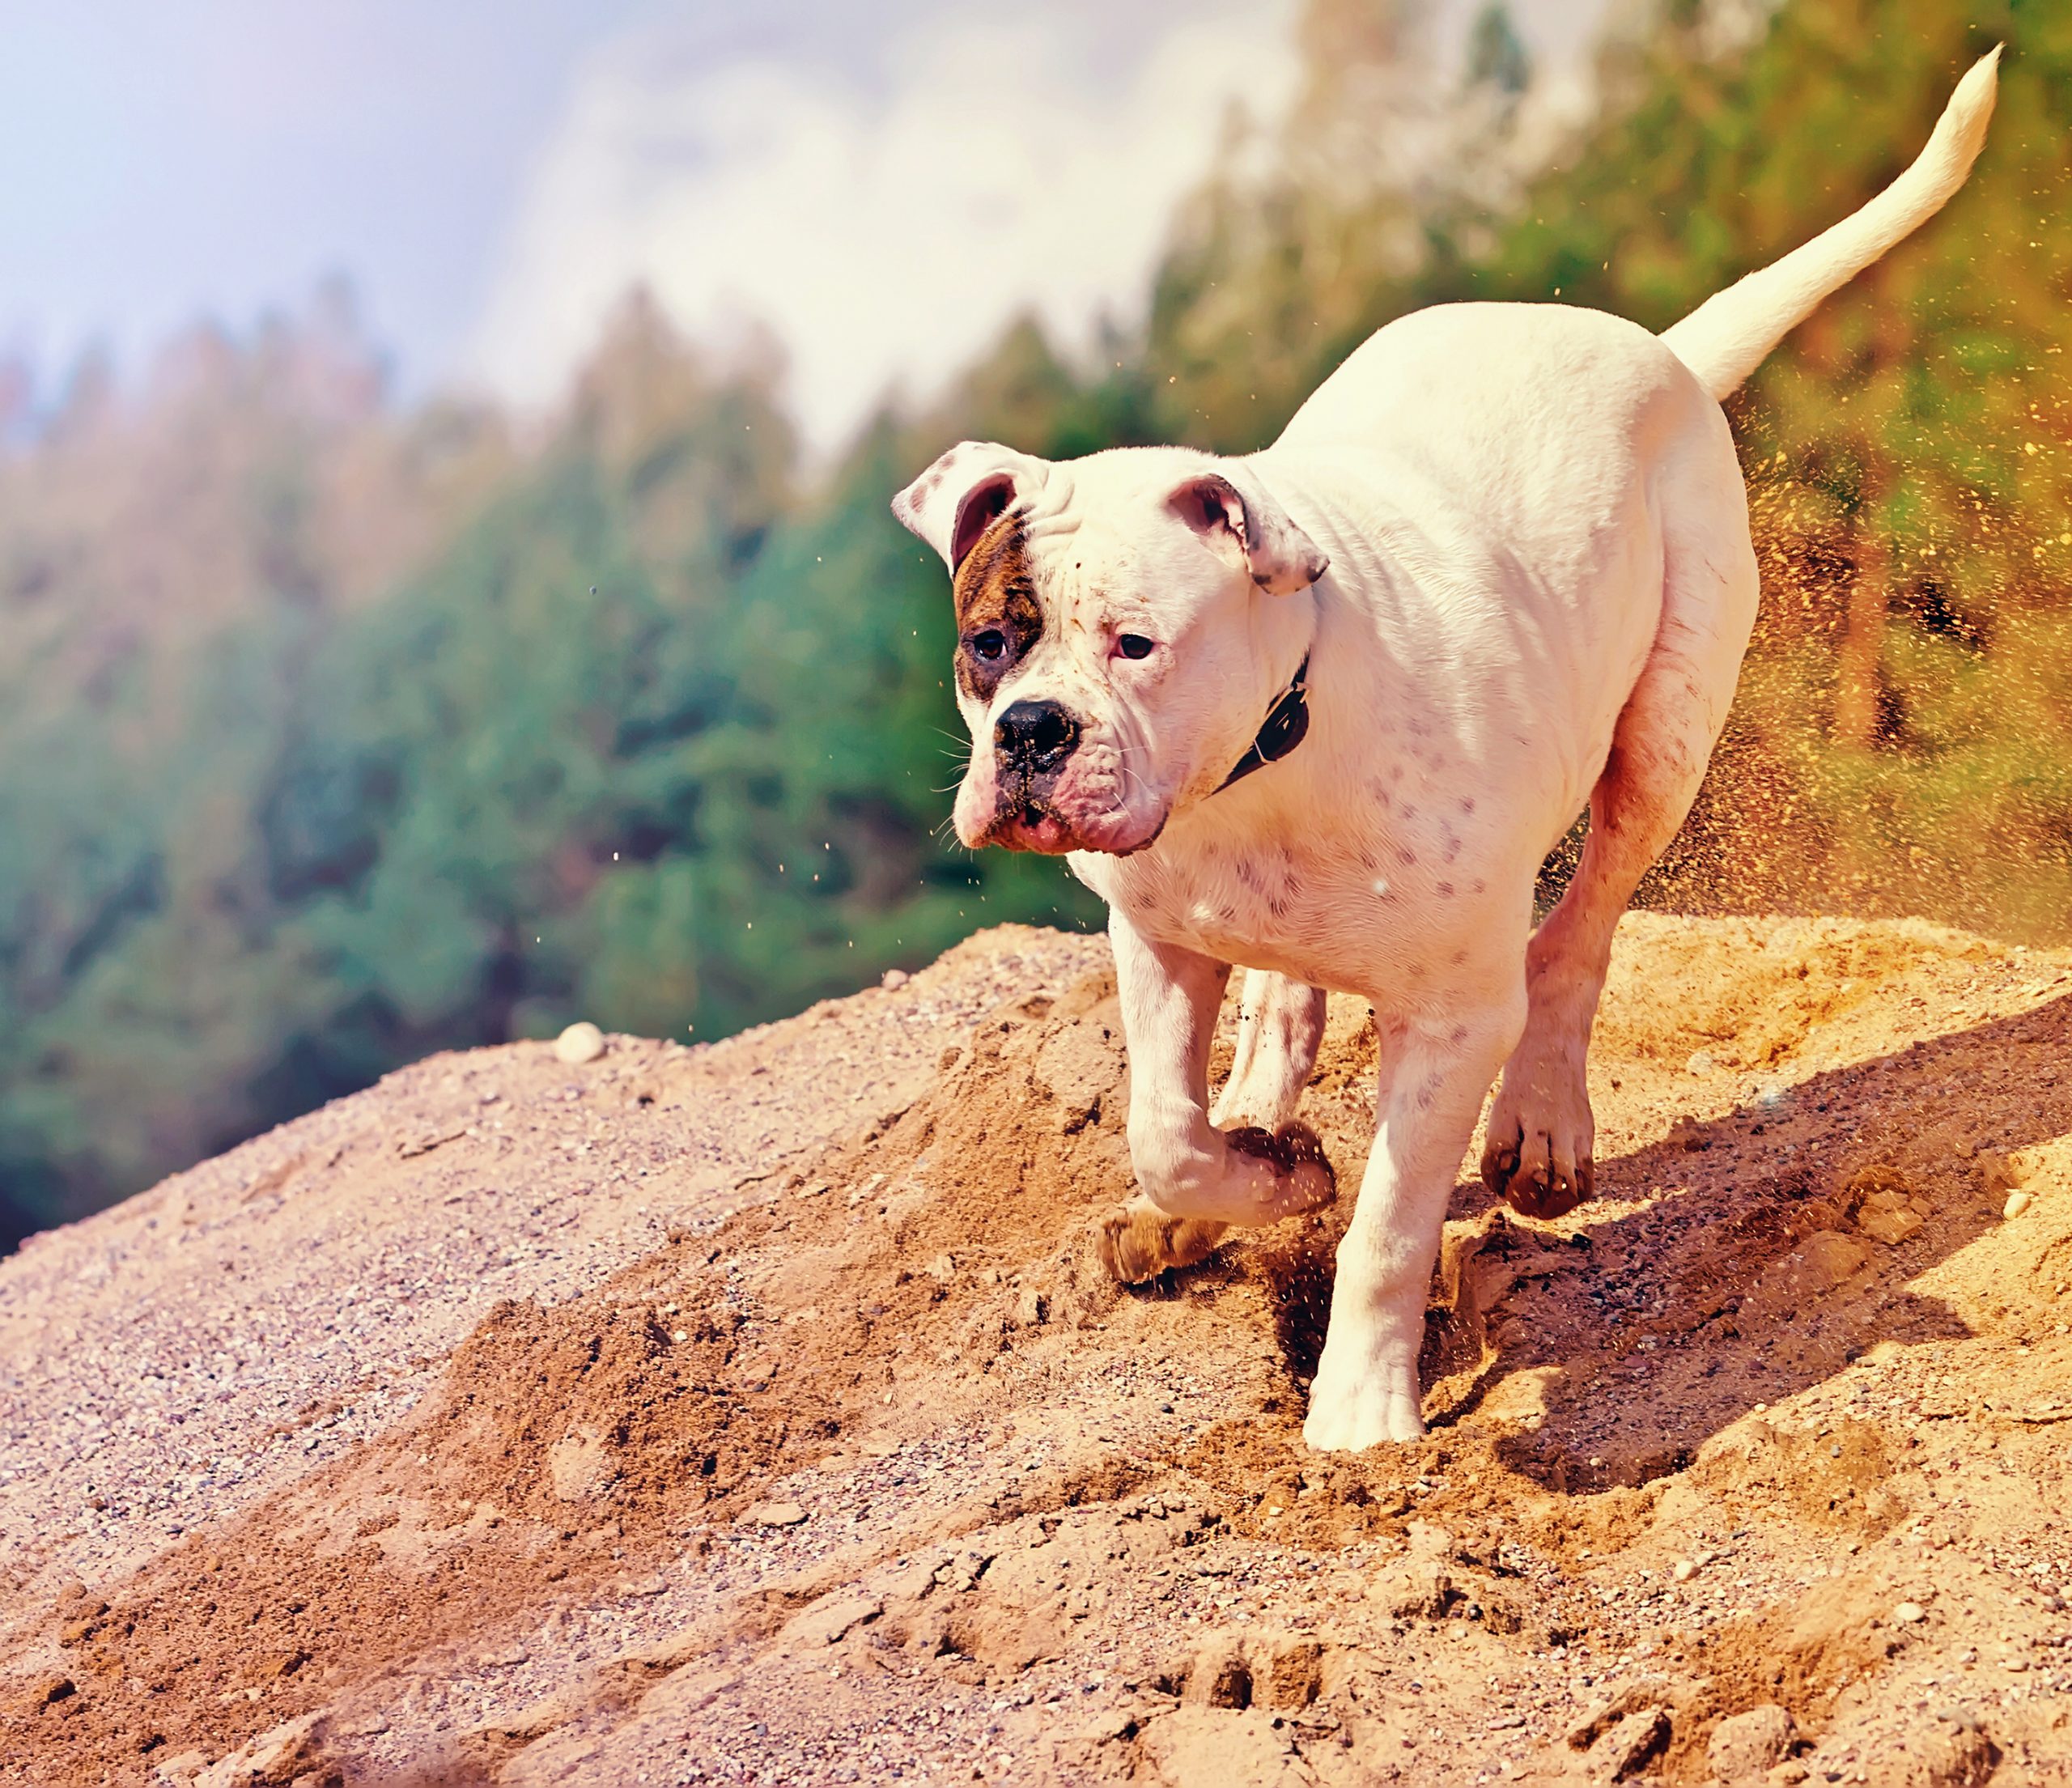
[(1226, 504)]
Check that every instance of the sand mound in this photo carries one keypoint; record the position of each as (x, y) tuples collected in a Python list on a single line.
[(838, 1457)]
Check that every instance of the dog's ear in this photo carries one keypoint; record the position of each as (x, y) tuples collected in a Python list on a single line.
[(954, 502), (1237, 519)]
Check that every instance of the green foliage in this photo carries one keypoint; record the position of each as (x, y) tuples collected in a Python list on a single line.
[(652, 739), (329, 736)]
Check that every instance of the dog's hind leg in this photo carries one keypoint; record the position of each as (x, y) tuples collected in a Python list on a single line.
[(1280, 1023), (1538, 1152)]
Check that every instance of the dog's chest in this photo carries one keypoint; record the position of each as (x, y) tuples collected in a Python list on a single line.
[(1339, 906), (1227, 901)]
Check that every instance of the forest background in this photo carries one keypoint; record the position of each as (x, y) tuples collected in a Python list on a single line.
[(335, 729)]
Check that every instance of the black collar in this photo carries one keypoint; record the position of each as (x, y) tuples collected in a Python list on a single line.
[(1286, 722)]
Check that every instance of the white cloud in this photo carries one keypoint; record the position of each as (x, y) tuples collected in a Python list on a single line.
[(884, 231)]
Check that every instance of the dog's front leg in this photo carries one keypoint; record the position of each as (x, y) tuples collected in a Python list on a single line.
[(1433, 1079), (1196, 1180)]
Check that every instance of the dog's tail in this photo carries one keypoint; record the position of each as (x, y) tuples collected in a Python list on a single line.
[(1726, 337)]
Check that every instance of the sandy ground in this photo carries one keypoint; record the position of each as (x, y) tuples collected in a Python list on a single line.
[(761, 1413)]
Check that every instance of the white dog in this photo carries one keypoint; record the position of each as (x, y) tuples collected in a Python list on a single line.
[(1496, 567)]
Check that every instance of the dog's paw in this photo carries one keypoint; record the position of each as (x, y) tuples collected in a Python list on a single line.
[(1353, 1409), (1303, 1176), (1139, 1241), (1534, 1180), (1538, 1154)]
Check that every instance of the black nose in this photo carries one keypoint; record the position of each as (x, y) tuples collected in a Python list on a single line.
[(1035, 736)]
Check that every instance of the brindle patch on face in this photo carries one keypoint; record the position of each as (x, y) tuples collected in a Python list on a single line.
[(996, 593)]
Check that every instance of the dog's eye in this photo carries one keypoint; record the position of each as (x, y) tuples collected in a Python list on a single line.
[(1133, 645), (989, 644)]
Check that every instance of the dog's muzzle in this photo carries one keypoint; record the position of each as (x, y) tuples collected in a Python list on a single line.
[(1032, 742)]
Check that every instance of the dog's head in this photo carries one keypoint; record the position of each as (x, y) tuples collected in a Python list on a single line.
[(1115, 618)]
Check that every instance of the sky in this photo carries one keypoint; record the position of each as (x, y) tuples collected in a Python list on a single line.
[(882, 184)]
